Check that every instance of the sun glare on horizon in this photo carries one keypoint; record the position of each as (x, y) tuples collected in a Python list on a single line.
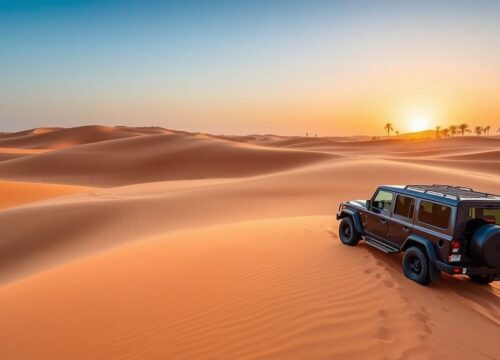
[(419, 123)]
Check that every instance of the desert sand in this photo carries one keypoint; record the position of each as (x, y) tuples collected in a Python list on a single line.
[(148, 243)]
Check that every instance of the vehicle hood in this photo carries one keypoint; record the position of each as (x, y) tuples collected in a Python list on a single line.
[(361, 203)]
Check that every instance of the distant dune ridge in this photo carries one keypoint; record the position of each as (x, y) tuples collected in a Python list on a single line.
[(121, 242)]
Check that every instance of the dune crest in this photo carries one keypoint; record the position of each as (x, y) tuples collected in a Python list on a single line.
[(140, 159)]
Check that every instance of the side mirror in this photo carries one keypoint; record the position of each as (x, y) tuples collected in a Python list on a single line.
[(368, 204)]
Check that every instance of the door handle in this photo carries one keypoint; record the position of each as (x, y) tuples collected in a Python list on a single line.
[(383, 221), (406, 229)]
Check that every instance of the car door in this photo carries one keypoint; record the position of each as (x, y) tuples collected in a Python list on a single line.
[(401, 221), (376, 221)]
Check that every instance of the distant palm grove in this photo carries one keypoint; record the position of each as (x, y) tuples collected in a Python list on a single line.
[(450, 131)]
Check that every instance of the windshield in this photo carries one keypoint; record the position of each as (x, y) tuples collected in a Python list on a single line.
[(490, 215)]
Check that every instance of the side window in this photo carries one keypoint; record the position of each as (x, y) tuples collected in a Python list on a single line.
[(404, 207), (434, 214), (383, 200)]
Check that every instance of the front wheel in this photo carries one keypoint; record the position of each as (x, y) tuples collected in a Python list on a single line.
[(347, 232), (416, 265), (482, 279)]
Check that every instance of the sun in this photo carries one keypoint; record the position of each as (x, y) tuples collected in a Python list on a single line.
[(419, 123)]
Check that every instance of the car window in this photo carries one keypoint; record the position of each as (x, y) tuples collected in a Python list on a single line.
[(434, 214), (404, 206), (383, 200), (490, 215)]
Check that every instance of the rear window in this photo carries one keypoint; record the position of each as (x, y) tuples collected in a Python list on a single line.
[(404, 206), (490, 215), (434, 214)]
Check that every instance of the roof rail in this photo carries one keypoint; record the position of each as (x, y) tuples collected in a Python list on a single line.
[(450, 192)]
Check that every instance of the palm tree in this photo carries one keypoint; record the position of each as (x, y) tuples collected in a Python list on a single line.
[(453, 130), (487, 130), (446, 132), (438, 127), (397, 133), (389, 128), (478, 130), (463, 128)]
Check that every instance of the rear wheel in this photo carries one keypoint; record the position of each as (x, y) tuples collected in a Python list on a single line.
[(482, 279), (347, 232), (416, 265)]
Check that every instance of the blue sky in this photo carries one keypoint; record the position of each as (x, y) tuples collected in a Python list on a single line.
[(240, 67)]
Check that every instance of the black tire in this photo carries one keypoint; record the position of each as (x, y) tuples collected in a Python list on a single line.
[(482, 279), (347, 232), (416, 265)]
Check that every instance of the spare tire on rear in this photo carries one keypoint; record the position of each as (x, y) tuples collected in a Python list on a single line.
[(485, 245)]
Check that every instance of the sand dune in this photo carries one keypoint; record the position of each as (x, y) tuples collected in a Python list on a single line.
[(282, 288), (12, 153), (55, 138), (481, 156), (154, 158), (99, 219), (13, 193), (202, 246)]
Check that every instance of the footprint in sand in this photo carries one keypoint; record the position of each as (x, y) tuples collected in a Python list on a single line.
[(383, 333), (368, 271), (424, 310), (382, 314), (424, 319), (389, 283)]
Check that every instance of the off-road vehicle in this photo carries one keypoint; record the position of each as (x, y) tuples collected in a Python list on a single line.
[(440, 228)]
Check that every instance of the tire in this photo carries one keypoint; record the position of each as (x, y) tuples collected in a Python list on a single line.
[(483, 280), (347, 232), (416, 265)]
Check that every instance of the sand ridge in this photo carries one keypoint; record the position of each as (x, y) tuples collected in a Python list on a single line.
[(151, 243)]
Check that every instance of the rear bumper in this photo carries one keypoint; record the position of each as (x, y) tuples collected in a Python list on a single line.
[(466, 270)]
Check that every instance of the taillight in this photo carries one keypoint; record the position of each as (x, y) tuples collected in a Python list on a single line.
[(457, 270), (455, 245)]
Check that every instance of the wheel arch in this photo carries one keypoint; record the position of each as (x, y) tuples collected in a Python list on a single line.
[(425, 244), (356, 219)]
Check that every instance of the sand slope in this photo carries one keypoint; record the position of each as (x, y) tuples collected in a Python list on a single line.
[(154, 158), (55, 138), (201, 246), (282, 288), (99, 219), (14, 193)]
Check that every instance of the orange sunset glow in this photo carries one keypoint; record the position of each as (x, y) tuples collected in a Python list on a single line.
[(332, 68), (254, 180)]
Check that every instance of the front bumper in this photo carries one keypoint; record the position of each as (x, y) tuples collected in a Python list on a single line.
[(338, 216), (466, 270)]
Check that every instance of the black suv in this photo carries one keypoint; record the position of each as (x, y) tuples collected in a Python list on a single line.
[(439, 227)]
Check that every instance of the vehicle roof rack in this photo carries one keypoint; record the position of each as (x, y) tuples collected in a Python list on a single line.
[(451, 192)]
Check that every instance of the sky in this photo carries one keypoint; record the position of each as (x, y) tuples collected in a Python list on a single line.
[(239, 67)]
